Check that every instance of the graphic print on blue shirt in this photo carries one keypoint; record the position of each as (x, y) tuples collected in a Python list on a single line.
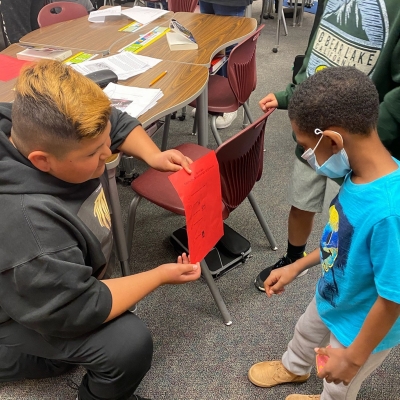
[(351, 33), (334, 247)]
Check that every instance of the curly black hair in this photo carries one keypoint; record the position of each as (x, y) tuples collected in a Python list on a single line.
[(339, 96)]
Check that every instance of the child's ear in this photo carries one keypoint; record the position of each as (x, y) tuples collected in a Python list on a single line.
[(336, 140), (40, 159)]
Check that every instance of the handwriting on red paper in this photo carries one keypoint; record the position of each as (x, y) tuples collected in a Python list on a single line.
[(200, 193)]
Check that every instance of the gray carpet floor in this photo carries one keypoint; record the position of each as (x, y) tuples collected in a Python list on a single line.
[(196, 356)]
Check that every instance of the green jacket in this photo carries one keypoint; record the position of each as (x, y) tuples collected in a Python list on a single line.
[(364, 34)]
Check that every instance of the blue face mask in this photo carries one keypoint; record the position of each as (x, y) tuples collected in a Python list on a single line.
[(336, 166)]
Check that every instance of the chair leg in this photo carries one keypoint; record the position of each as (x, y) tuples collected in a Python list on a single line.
[(215, 293), (167, 122), (262, 221), (284, 24), (117, 224), (247, 117), (131, 221), (194, 128), (183, 114), (247, 111), (214, 130)]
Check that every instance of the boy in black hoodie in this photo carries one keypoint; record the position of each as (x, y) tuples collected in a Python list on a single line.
[(55, 308)]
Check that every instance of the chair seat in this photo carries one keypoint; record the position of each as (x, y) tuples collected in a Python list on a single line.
[(161, 184), (221, 99)]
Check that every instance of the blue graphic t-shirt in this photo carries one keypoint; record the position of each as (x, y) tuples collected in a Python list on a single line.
[(360, 257)]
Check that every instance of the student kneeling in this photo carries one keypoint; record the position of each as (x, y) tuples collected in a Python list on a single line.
[(55, 311)]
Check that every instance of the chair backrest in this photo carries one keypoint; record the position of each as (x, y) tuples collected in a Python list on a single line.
[(182, 5), (240, 161), (65, 12), (241, 68)]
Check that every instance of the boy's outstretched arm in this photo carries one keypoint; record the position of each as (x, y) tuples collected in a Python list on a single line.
[(269, 101), (128, 290), (138, 144), (343, 364), (280, 277)]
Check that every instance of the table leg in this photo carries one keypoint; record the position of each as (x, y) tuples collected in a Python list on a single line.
[(202, 113), (278, 25), (302, 13)]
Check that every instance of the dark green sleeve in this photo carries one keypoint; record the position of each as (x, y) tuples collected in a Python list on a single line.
[(389, 115), (284, 96)]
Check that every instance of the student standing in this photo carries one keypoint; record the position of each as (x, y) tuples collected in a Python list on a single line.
[(362, 34), (356, 306)]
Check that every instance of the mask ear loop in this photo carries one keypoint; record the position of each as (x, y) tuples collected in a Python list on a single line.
[(308, 153), (320, 132)]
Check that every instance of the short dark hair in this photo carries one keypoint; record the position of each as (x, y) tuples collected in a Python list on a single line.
[(339, 96)]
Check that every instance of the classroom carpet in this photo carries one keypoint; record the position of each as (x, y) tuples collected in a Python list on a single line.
[(197, 357)]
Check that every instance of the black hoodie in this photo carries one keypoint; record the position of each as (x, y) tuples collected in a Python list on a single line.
[(55, 239)]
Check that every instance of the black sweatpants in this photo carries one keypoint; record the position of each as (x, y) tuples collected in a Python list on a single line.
[(116, 356), (19, 17)]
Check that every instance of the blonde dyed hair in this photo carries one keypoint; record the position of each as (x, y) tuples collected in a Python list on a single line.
[(55, 107)]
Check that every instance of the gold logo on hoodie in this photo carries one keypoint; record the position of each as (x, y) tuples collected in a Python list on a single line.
[(101, 211)]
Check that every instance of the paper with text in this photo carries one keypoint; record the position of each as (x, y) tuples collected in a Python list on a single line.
[(133, 100), (200, 193), (124, 64), (144, 15), (100, 15)]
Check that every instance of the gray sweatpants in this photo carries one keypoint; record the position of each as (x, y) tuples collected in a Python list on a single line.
[(311, 332)]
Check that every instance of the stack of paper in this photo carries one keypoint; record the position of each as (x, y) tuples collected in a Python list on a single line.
[(133, 100), (144, 15), (124, 64), (100, 15)]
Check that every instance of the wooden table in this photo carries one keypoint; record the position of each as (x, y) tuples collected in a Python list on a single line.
[(212, 33), (182, 84), (88, 36)]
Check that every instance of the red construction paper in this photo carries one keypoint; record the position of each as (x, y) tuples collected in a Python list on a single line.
[(10, 67), (200, 193)]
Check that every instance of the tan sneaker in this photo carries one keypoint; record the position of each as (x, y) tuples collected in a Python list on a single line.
[(303, 397), (272, 373)]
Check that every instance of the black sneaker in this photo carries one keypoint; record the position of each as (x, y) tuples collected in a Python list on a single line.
[(264, 274)]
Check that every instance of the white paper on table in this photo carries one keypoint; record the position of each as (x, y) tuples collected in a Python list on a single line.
[(144, 15), (100, 15), (124, 64), (133, 100), (148, 60)]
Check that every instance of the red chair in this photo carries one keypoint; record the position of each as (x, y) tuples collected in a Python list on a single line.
[(240, 162), (182, 5), (228, 94), (65, 12)]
